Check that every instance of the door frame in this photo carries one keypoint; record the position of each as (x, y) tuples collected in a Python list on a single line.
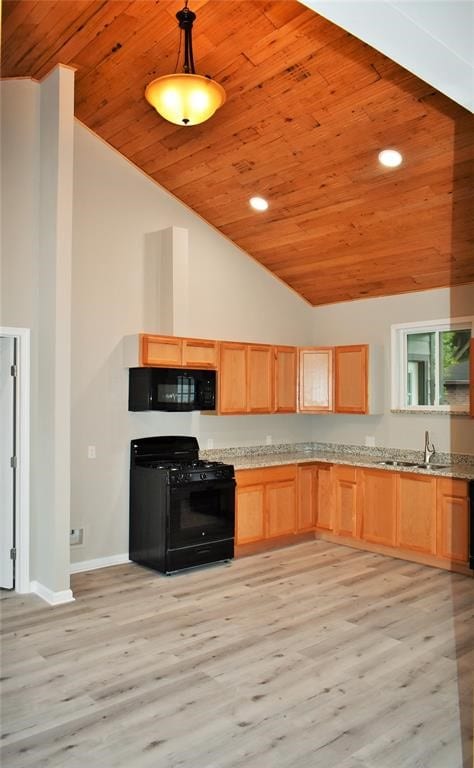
[(22, 522)]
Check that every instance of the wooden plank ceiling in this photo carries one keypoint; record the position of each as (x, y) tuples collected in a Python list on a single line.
[(308, 108)]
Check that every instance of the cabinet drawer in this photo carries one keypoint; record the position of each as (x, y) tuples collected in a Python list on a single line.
[(198, 353), (451, 487), (345, 473), (156, 350), (265, 475)]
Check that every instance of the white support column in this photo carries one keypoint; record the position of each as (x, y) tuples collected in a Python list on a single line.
[(50, 534), (174, 282)]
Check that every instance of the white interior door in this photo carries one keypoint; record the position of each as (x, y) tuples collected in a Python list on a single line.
[(7, 452)]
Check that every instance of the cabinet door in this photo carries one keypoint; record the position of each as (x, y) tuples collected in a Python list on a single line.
[(452, 519), (249, 517), (259, 378), (307, 482), (199, 353), (285, 379), (378, 503), (325, 512), (280, 502), (316, 379), (416, 513), (345, 489), (351, 376), (232, 378), (160, 350)]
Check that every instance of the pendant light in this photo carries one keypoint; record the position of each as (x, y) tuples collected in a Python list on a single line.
[(185, 98)]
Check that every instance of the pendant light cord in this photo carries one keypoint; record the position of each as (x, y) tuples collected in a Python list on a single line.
[(186, 18)]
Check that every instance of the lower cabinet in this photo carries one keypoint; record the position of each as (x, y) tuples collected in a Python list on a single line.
[(452, 519), (345, 500), (315, 497), (378, 504), (418, 514), (249, 521), (266, 503), (307, 497), (325, 506)]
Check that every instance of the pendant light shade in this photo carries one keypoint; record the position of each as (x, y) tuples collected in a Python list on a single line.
[(185, 98)]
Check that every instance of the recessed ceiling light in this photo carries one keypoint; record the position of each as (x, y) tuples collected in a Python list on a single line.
[(390, 157), (258, 203)]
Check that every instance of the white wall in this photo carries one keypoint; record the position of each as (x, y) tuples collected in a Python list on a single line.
[(118, 216), (369, 321)]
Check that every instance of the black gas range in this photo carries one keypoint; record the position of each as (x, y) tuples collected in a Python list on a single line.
[(182, 508)]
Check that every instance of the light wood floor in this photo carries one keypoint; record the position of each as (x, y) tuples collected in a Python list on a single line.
[(313, 656)]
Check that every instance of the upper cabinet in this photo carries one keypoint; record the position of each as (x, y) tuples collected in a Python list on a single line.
[(351, 379), (316, 379), (264, 378), (285, 379), (256, 378), (232, 380), (344, 379), (259, 378), (147, 349)]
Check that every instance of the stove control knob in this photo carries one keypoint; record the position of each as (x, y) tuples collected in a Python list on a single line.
[(203, 475)]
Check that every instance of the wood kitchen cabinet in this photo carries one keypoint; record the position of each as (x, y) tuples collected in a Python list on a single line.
[(259, 378), (315, 497), (351, 379), (249, 517), (307, 497), (256, 378), (281, 506), (345, 500), (266, 503), (414, 516), (340, 380), (232, 378), (378, 502), (325, 510), (416, 513), (146, 349), (452, 519), (285, 379), (316, 381)]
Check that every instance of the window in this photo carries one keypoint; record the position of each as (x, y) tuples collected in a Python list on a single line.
[(430, 365)]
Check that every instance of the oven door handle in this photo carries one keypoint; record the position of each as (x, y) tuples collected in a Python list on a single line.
[(203, 485)]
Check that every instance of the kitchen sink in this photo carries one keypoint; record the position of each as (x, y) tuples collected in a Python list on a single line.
[(432, 466), (415, 464)]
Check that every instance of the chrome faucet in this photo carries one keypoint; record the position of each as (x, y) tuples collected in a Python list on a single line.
[(429, 449)]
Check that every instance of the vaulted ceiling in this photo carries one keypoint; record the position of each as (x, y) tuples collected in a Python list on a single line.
[(308, 109)]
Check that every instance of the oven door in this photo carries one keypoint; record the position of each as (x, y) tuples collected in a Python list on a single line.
[(201, 512)]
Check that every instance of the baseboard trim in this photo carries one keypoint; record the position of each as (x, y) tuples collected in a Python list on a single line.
[(53, 598), (100, 562)]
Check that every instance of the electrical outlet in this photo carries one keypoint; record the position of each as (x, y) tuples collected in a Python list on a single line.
[(370, 441), (268, 440), (76, 537), (91, 452)]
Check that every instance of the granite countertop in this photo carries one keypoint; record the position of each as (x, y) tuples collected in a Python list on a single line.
[(459, 466)]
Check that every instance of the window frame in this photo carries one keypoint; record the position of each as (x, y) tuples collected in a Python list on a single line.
[(399, 362)]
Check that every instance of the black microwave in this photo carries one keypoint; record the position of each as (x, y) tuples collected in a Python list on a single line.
[(171, 389)]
